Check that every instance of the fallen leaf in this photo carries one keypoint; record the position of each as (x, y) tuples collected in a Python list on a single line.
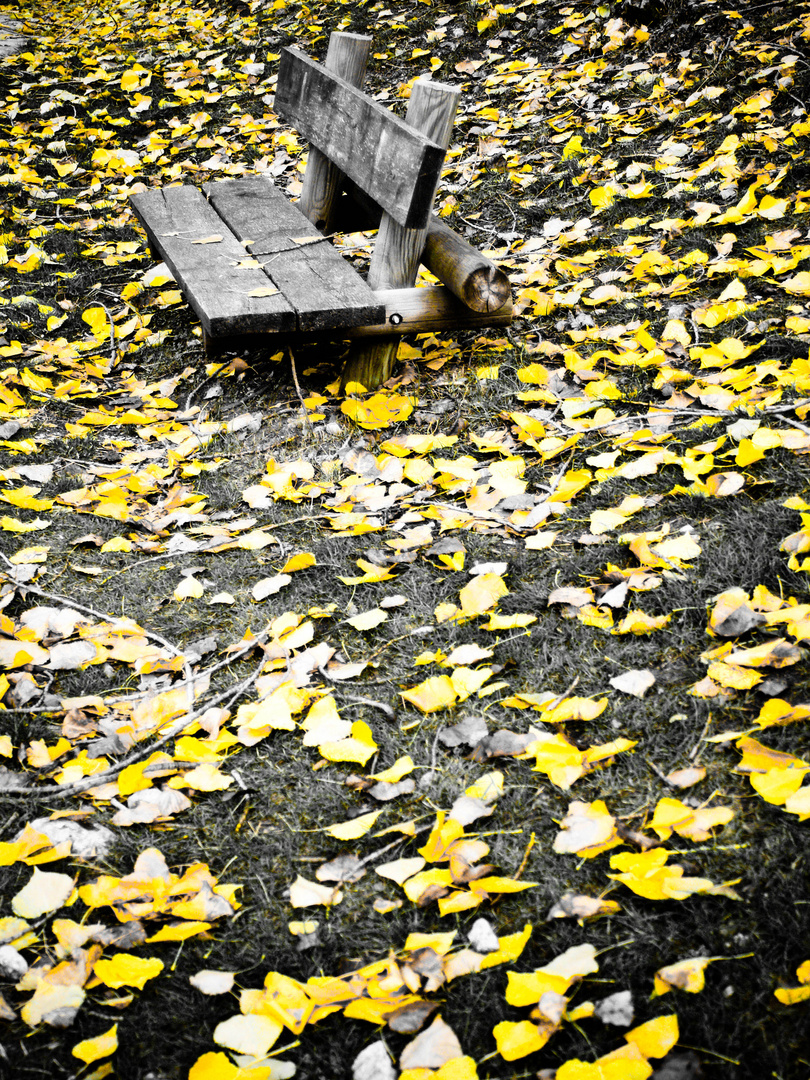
[(212, 983), (432, 1048), (305, 893), (100, 1046), (121, 969), (354, 828), (43, 892)]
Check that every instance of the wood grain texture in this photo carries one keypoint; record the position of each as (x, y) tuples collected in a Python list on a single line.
[(347, 56), (471, 276), (428, 310), (398, 249), (324, 290), (207, 274), (396, 165)]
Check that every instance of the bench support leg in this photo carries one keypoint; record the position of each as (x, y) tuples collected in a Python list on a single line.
[(398, 250), (346, 56)]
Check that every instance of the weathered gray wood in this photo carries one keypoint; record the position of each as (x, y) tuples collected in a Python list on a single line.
[(427, 310), (347, 56), (431, 309), (398, 250), (208, 274), (325, 291), (396, 165)]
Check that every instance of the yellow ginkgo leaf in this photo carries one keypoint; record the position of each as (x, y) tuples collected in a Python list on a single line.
[(799, 284), (217, 1066), (179, 931), (394, 773), (573, 147), (799, 803), (686, 975), (52, 1003), (371, 573), (432, 695), (588, 829), (482, 594), (626, 1063), (206, 777), (269, 586), (189, 589), (359, 747), (510, 947), (89, 1050), (96, 319), (379, 411), (262, 290), (355, 828), (517, 1040), (602, 197), (496, 884), (121, 969), (655, 1038), (636, 622), (401, 869), (302, 561), (721, 485), (777, 785)]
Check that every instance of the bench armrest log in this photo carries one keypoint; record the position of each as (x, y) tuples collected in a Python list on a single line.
[(347, 56), (469, 274), (464, 270)]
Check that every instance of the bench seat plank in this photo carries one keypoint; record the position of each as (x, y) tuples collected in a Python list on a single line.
[(326, 291), (214, 286), (393, 163)]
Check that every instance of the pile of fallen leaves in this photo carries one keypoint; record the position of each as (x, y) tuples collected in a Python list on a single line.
[(208, 573)]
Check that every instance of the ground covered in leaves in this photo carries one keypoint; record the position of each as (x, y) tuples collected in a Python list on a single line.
[(455, 730)]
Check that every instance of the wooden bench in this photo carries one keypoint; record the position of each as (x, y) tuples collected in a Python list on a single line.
[(250, 262)]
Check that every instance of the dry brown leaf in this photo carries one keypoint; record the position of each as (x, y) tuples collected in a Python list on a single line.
[(343, 868), (572, 906), (432, 1049), (411, 1017), (684, 778)]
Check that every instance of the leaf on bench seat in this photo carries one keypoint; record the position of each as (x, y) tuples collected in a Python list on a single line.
[(267, 290), (214, 239)]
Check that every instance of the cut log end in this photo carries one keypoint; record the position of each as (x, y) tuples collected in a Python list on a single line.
[(486, 289)]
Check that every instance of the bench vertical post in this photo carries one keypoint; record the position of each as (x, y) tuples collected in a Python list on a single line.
[(347, 56), (398, 250)]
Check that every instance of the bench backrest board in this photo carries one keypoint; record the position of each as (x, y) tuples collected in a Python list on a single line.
[(389, 160)]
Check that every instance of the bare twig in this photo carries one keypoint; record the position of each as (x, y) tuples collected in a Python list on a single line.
[(304, 410), (372, 703), (694, 753), (159, 638), (59, 793), (375, 855), (796, 424)]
